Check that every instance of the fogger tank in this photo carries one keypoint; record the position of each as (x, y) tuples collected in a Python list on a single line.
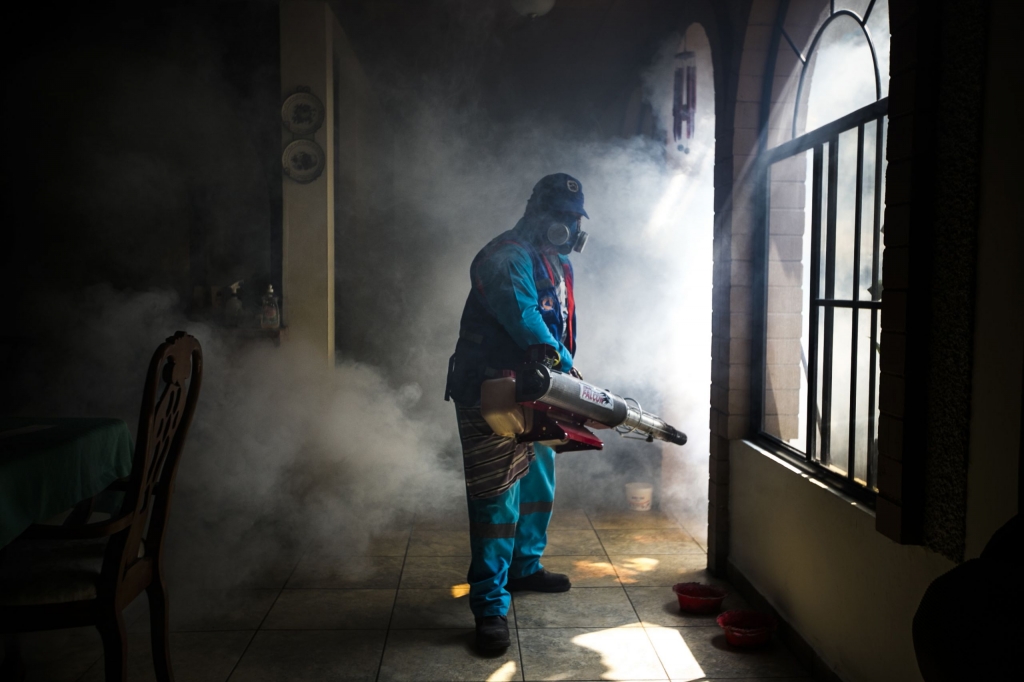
[(539, 404)]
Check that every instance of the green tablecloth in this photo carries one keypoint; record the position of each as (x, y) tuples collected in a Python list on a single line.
[(47, 466)]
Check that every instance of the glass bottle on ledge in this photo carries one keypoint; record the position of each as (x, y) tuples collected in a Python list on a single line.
[(270, 312), (233, 311)]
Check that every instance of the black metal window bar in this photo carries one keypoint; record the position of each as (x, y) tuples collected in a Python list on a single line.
[(822, 295), (821, 298)]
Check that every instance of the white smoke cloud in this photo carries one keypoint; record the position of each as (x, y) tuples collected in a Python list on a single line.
[(282, 454), (643, 283)]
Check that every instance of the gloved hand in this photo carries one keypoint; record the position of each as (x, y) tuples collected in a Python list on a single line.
[(576, 373), (544, 354)]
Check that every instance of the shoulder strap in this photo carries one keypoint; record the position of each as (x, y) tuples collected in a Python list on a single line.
[(570, 299)]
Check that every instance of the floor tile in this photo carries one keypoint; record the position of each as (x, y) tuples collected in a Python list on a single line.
[(589, 654), (698, 529), (569, 519), (391, 543), (266, 573), (229, 610), (584, 571), (311, 656), (438, 572), (624, 519), (579, 607), (79, 649), (660, 569), (439, 543), (680, 662), (369, 572), (431, 609), (209, 610), (684, 650), (455, 520), (195, 656), (383, 543), (654, 541), (445, 655), (331, 610), (573, 543), (660, 606)]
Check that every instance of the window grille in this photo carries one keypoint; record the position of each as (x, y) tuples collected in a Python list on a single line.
[(818, 282)]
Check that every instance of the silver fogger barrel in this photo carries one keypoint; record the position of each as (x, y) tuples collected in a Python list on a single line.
[(536, 383)]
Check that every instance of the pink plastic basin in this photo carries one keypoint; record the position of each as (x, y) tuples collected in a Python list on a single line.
[(698, 597), (747, 628)]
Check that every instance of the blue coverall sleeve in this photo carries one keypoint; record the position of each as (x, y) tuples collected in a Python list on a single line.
[(511, 293)]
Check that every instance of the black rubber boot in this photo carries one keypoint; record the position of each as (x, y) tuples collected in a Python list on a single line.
[(492, 633), (541, 581)]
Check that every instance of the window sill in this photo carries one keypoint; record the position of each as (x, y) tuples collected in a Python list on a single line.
[(809, 473)]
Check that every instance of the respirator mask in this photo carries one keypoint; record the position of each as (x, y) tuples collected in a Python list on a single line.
[(566, 235)]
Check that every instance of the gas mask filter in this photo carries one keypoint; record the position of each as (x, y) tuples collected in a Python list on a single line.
[(566, 238)]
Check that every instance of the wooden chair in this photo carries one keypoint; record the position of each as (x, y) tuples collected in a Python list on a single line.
[(66, 576)]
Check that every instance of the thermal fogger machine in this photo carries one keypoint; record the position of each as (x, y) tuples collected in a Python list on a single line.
[(539, 404)]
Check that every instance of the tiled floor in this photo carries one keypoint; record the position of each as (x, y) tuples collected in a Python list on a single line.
[(400, 613)]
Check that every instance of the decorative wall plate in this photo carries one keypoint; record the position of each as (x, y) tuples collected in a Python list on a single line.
[(302, 113), (303, 161)]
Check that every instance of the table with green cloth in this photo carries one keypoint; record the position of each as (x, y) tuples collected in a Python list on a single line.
[(47, 466)]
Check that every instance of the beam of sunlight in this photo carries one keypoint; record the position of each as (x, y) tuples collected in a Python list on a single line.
[(506, 672), (594, 569), (626, 653), (666, 212), (641, 563), (634, 566), (677, 658), (460, 590)]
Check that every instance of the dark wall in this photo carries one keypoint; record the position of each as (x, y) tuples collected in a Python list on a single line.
[(569, 66), (146, 140), (933, 180), (144, 144)]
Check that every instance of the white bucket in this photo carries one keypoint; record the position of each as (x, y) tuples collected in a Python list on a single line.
[(639, 495)]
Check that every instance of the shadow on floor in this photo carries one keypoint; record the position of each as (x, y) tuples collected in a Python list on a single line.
[(399, 612)]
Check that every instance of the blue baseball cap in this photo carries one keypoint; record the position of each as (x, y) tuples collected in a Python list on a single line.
[(558, 192)]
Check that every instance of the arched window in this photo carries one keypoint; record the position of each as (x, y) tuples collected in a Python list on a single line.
[(818, 260), (846, 65)]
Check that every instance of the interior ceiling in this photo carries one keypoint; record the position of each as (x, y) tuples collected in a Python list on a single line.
[(571, 62)]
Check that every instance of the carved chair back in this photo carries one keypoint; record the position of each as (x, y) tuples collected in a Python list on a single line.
[(168, 405)]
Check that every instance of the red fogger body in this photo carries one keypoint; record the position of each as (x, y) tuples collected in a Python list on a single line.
[(539, 404)]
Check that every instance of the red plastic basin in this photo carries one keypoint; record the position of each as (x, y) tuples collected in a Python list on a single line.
[(747, 628), (698, 597)]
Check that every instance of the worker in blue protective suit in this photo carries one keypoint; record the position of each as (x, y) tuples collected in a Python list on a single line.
[(521, 300)]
